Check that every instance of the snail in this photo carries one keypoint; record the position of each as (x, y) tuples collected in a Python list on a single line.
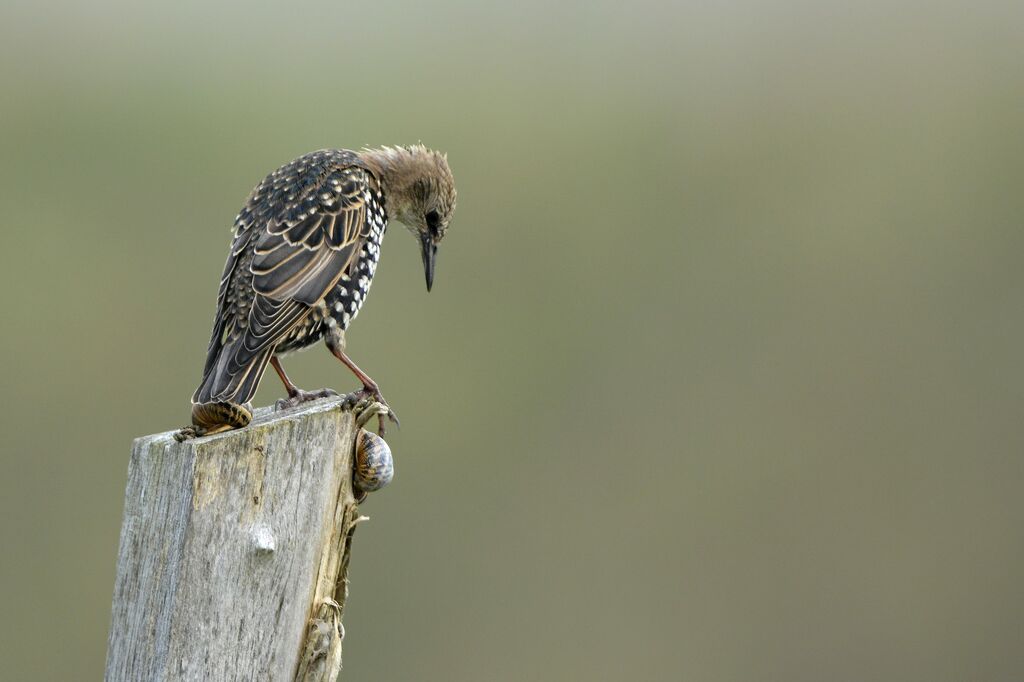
[(373, 467)]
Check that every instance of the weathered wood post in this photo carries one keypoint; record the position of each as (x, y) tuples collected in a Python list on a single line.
[(234, 551)]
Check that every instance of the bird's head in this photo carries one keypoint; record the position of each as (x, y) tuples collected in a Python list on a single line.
[(419, 192)]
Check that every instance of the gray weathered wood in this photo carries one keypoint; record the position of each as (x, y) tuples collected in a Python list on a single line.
[(234, 549)]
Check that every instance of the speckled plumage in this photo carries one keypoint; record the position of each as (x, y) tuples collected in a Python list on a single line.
[(305, 249)]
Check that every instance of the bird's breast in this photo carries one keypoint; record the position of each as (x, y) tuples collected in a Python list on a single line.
[(347, 297)]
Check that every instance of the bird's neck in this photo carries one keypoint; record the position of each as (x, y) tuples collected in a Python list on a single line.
[(397, 170), (383, 162)]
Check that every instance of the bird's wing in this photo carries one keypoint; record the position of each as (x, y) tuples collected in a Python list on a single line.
[(304, 229), (227, 313), (306, 246)]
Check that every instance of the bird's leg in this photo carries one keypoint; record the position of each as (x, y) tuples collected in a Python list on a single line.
[(296, 396), (370, 388)]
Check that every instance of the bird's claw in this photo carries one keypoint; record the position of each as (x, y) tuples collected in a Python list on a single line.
[(366, 404), (300, 397)]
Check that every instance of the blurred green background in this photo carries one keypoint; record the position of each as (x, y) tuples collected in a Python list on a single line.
[(720, 378)]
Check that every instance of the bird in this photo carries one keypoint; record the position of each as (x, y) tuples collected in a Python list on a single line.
[(304, 252)]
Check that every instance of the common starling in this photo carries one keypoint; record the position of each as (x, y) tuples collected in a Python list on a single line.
[(305, 248)]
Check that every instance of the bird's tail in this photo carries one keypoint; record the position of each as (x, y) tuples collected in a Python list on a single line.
[(229, 383)]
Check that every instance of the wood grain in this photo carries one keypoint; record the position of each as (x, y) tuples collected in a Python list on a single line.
[(233, 551)]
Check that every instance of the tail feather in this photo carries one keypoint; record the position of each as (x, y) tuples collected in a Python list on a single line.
[(229, 380), (227, 387), (235, 366)]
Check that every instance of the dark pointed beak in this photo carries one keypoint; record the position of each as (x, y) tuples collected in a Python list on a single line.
[(429, 249)]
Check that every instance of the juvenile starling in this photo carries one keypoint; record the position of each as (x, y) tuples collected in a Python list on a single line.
[(305, 249)]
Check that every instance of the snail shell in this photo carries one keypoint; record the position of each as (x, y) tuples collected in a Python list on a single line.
[(374, 467)]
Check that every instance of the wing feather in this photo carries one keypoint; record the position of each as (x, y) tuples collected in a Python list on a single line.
[(305, 248)]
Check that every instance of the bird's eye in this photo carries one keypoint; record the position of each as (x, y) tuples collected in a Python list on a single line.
[(433, 220)]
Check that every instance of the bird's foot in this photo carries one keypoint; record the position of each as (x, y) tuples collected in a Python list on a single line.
[(299, 396), (366, 409), (367, 403)]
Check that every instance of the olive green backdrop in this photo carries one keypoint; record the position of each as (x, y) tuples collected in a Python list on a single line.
[(721, 377)]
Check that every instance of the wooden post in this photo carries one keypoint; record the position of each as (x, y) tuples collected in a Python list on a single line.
[(234, 551)]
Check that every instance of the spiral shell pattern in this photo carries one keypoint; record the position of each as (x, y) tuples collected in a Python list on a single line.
[(221, 414), (374, 466)]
